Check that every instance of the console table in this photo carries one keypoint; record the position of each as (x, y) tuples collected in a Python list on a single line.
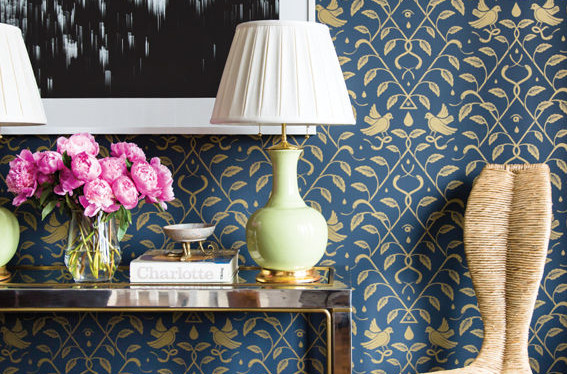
[(51, 289)]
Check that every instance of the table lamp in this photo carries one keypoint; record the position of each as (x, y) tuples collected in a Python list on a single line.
[(284, 73), (20, 105)]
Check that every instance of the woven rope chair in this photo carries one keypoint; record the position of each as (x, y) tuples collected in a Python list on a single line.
[(507, 228)]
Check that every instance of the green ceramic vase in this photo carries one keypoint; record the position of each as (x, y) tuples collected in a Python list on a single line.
[(286, 234), (10, 234)]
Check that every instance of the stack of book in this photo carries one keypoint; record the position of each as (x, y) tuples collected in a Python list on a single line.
[(163, 266)]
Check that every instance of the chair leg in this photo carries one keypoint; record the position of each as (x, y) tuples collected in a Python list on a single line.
[(530, 227), (485, 239)]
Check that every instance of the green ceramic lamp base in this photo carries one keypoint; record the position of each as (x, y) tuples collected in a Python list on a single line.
[(286, 237), (10, 234)]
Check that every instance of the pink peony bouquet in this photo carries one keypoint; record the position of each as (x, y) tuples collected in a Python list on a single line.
[(75, 178)]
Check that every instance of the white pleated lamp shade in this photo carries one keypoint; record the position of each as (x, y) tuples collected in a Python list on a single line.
[(282, 72), (20, 102)]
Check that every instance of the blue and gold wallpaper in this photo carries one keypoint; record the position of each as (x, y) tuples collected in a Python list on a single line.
[(440, 88)]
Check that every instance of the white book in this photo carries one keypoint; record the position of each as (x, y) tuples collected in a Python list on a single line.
[(158, 266)]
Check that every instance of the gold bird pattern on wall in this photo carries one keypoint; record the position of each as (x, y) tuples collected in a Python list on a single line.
[(545, 14), (440, 88), (440, 122), (440, 337), (378, 338), (14, 337), (224, 337), (164, 337), (378, 124), (487, 17), (329, 14)]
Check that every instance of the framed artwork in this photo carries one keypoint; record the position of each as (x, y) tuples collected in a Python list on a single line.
[(136, 66)]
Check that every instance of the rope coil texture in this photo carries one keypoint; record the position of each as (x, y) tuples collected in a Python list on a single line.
[(507, 228)]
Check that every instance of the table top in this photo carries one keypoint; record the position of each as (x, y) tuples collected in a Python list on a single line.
[(51, 288)]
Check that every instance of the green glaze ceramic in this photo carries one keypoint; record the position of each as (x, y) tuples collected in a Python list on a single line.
[(286, 234), (10, 234)]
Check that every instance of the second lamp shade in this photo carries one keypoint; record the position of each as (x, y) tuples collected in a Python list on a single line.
[(20, 103), (282, 72)]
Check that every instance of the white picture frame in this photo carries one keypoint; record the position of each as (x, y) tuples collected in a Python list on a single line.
[(153, 115)]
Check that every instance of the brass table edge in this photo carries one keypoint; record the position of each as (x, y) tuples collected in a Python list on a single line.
[(330, 283), (329, 327), (124, 267), (163, 309), (122, 285)]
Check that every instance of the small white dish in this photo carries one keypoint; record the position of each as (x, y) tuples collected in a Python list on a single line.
[(189, 232)]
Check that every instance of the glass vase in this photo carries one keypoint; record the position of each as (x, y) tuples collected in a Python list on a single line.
[(93, 250)]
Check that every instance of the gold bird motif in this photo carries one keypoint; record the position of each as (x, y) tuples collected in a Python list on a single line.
[(440, 337), (439, 123), (164, 337), (14, 336), (224, 336), (544, 14), (486, 16), (329, 14), (378, 123), (378, 338)]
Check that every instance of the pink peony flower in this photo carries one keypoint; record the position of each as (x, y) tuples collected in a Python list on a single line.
[(146, 180), (68, 183), (113, 168), (22, 177), (45, 178), (85, 167), (165, 181), (125, 191), (78, 143), (130, 150), (48, 162), (98, 196)]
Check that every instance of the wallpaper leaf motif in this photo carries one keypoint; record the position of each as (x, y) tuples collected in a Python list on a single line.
[(440, 88)]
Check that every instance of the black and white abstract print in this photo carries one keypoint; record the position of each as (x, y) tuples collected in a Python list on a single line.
[(130, 48)]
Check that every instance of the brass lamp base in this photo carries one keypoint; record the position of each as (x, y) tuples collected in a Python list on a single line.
[(5, 275), (288, 277)]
